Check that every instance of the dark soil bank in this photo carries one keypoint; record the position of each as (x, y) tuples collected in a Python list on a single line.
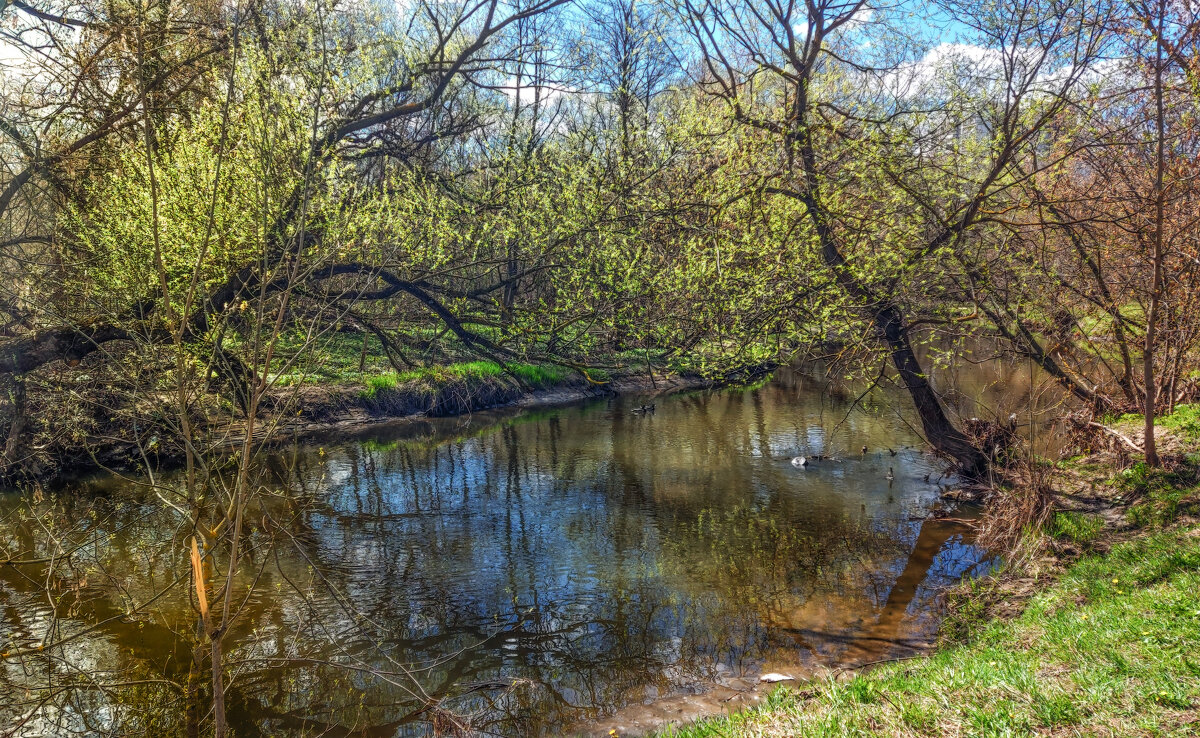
[(291, 413)]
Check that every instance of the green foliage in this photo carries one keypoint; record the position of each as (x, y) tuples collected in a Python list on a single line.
[(1185, 421)]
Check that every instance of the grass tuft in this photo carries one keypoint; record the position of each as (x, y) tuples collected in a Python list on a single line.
[(1076, 526)]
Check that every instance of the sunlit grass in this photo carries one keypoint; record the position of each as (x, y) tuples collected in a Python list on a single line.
[(533, 375), (1076, 526), (1185, 421)]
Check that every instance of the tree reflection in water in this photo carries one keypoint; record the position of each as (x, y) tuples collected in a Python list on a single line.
[(533, 572)]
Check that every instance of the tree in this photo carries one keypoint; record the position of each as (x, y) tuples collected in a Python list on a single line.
[(1092, 277), (844, 147)]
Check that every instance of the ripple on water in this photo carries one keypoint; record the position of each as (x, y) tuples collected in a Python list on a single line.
[(617, 570)]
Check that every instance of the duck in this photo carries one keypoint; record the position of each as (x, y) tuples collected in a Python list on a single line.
[(800, 461), (645, 408), (864, 450), (891, 475), (892, 451)]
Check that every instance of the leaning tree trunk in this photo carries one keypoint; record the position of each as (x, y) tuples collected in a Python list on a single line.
[(939, 431), (889, 325)]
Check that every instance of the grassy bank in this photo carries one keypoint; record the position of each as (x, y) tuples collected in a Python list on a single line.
[(1112, 648), (331, 384), (1101, 635), (343, 359), (532, 375)]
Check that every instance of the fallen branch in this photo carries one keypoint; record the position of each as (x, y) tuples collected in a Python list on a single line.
[(1118, 435)]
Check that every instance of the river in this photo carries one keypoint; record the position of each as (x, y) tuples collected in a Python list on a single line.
[(566, 570)]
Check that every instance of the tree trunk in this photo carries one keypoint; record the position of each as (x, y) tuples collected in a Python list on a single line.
[(192, 696), (220, 729), (889, 325), (939, 431), (884, 312), (1156, 266)]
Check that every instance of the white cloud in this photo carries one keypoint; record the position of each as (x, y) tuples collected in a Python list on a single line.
[(953, 59), (526, 94)]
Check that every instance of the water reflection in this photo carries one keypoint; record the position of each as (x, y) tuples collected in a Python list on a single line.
[(537, 572)]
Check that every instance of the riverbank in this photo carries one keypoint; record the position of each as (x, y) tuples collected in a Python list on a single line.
[(291, 411), (442, 392), (1095, 630)]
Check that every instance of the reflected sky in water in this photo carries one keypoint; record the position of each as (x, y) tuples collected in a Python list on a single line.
[(547, 569)]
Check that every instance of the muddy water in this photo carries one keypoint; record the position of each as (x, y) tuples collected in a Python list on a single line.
[(572, 570)]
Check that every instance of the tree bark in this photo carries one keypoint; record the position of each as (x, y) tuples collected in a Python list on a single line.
[(939, 431), (1156, 266), (16, 429)]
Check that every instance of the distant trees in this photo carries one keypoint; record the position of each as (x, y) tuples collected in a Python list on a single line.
[(1161, 42), (630, 62), (1093, 273)]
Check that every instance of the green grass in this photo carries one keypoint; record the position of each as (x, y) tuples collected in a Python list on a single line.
[(1075, 526), (1163, 505), (536, 376), (331, 359), (1112, 649), (380, 383), (1184, 422), (1159, 495)]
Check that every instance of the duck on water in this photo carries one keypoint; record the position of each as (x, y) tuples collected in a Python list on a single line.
[(803, 461)]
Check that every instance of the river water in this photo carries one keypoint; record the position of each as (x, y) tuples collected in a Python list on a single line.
[(548, 572)]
